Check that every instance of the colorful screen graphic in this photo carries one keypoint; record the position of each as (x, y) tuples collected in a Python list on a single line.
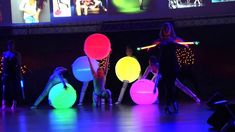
[(61, 8), (0, 12), (131, 6), (30, 11), (57, 12), (217, 1), (174, 4), (88, 7)]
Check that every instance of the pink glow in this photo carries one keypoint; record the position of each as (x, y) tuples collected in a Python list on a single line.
[(142, 92), (97, 46)]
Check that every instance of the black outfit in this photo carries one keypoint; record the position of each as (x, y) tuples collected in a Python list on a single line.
[(168, 68), (11, 77)]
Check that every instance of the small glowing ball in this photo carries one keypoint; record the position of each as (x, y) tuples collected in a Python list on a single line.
[(81, 68), (142, 92), (97, 46), (127, 68), (60, 97)]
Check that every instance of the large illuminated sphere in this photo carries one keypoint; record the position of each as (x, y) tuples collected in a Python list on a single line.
[(97, 46), (60, 97), (129, 6), (81, 68), (127, 68), (142, 92)]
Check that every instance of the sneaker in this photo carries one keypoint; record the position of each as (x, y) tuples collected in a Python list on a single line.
[(33, 107), (13, 105), (3, 104), (196, 99), (118, 103), (80, 104)]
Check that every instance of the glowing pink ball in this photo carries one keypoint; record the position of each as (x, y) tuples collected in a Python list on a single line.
[(97, 46), (142, 92)]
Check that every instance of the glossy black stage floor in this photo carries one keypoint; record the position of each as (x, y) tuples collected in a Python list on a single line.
[(192, 117)]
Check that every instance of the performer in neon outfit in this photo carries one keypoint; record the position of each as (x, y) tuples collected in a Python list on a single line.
[(129, 52), (11, 74), (99, 84), (154, 67), (55, 78)]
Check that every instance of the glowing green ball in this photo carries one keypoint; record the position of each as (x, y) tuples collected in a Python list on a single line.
[(60, 97), (128, 6)]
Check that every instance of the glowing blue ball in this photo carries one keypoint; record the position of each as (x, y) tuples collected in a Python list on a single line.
[(81, 68), (60, 97)]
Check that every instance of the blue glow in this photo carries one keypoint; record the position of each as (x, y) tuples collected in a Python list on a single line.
[(81, 68), (22, 83)]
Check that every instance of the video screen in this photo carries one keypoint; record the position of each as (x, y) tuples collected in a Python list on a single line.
[(56, 12), (61, 8), (1, 17), (131, 6), (90, 7), (30, 11), (174, 4), (217, 1)]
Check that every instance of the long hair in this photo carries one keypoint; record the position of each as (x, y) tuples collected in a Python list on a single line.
[(40, 3), (172, 31)]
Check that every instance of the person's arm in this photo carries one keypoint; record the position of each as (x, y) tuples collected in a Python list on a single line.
[(156, 83), (22, 8), (22, 5), (19, 64), (145, 73), (177, 40), (91, 67), (36, 16), (106, 68), (62, 80)]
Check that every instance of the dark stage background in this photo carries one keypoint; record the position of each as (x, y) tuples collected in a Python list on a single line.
[(214, 69)]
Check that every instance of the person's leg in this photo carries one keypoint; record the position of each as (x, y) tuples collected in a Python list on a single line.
[(123, 89), (43, 94), (171, 93), (186, 90), (96, 99), (141, 3), (78, 8), (108, 95), (82, 93), (15, 89), (4, 85)]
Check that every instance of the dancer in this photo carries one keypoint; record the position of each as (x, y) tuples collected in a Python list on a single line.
[(11, 74), (82, 7), (141, 3), (31, 10), (154, 67), (129, 52), (55, 78), (85, 84), (99, 83), (99, 4), (168, 65)]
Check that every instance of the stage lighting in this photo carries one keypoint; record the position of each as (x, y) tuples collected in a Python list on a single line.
[(142, 92), (97, 46), (60, 97), (127, 68), (81, 68)]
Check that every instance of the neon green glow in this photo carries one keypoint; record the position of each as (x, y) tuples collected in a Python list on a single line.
[(62, 117), (129, 6), (61, 98)]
